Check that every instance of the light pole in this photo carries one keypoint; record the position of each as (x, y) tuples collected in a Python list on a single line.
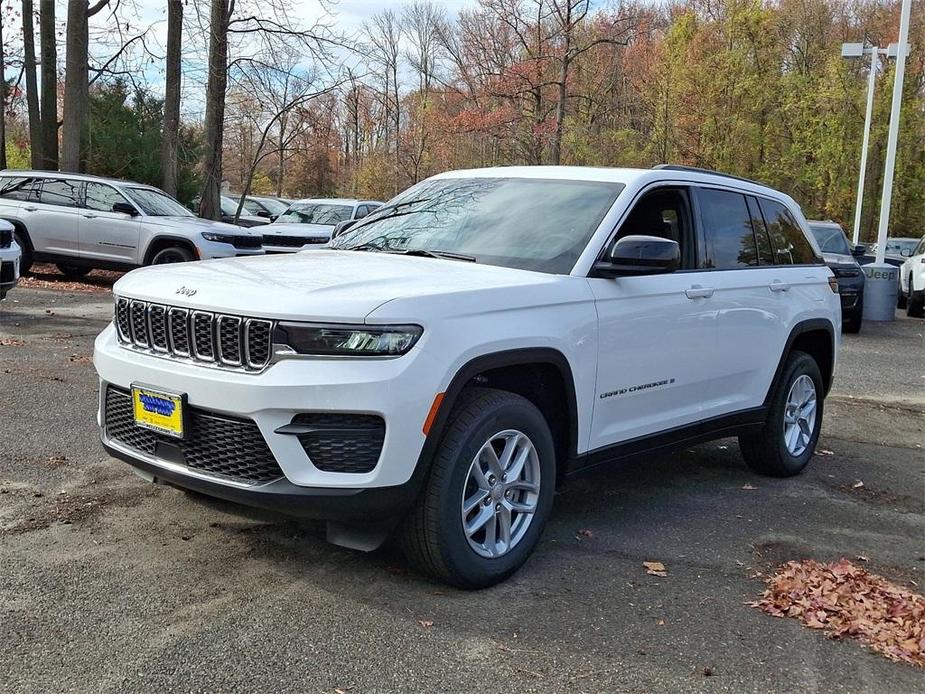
[(881, 287), (856, 50)]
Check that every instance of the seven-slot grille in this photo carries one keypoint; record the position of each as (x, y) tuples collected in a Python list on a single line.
[(293, 241), (228, 341)]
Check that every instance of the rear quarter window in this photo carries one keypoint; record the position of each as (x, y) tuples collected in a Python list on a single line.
[(789, 244)]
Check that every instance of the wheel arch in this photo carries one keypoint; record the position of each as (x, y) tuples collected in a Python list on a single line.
[(159, 243), (543, 375), (21, 227), (816, 337)]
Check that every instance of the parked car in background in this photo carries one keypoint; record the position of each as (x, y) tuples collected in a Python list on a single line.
[(842, 260), (896, 252), (10, 254), (80, 222), (310, 223), (449, 360), (246, 218), (912, 282), (270, 208)]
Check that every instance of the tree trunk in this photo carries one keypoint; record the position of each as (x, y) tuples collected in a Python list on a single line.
[(170, 142), (32, 89), (76, 90), (210, 203), (49, 117), (2, 101)]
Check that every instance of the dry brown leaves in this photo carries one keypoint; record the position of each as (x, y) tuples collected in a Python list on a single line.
[(47, 277), (848, 601)]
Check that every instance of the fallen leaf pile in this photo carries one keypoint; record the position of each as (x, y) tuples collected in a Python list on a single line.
[(848, 601), (655, 568)]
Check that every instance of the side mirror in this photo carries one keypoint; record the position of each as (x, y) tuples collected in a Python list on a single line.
[(274, 217), (341, 227), (906, 252), (858, 251), (264, 214), (124, 208), (640, 255)]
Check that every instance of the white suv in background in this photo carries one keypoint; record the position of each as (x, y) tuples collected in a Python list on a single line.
[(310, 223), (456, 353), (912, 282), (83, 222)]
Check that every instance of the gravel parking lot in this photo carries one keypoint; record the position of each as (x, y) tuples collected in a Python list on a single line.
[(111, 584)]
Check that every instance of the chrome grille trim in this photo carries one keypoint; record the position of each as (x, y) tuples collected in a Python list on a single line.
[(172, 332)]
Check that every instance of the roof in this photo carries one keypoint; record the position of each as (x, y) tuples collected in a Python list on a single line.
[(335, 201), (66, 174)]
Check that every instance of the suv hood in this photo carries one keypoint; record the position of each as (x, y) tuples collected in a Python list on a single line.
[(839, 260), (327, 285), (197, 224)]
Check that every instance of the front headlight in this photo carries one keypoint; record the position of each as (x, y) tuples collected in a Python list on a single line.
[(348, 340), (217, 238)]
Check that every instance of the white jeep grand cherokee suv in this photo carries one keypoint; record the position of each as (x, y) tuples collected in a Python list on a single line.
[(454, 355), (912, 282), (83, 222)]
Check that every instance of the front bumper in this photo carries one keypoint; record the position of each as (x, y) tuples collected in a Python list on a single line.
[(209, 250), (271, 400), (851, 294), (9, 268)]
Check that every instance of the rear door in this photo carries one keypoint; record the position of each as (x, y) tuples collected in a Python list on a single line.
[(54, 217), (105, 235)]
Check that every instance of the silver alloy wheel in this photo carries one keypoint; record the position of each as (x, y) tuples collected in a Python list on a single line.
[(501, 493), (800, 415)]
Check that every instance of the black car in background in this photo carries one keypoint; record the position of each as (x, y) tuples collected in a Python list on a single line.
[(842, 260)]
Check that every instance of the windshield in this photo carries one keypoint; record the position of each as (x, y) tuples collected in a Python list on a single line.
[(831, 239), (898, 246), (315, 213), (527, 223), (273, 206), (156, 203)]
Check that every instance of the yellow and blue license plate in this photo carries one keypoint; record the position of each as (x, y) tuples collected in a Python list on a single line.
[(158, 411)]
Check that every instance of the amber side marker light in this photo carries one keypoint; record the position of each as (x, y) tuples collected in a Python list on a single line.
[(833, 284), (432, 415)]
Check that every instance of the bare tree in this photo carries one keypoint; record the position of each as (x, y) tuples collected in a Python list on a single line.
[(77, 82), (49, 115), (383, 32), (32, 90), (170, 142), (3, 95)]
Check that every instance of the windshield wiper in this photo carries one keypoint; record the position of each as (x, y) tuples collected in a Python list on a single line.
[(446, 255)]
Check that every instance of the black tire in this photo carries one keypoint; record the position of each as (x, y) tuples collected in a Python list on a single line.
[(852, 324), (25, 260), (172, 254), (915, 307), (432, 536), (73, 271), (902, 300), (765, 451)]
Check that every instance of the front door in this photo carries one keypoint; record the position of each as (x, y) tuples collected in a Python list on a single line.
[(657, 334), (106, 235)]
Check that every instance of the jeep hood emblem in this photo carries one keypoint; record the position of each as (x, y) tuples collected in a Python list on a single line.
[(186, 291)]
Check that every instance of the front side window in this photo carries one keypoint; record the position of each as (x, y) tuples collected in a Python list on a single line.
[(18, 188), (532, 224), (101, 197), (315, 213), (58, 191), (831, 238), (790, 245), (156, 203), (253, 207)]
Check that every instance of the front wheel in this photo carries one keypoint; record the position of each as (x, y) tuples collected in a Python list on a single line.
[(172, 254), (915, 304), (786, 442), (25, 260), (73, 271), (488, 494)]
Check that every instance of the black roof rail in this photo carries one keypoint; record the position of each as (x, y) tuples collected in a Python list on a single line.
[(697, 169)]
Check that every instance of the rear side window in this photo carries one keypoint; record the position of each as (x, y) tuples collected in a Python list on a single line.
[(18, 188), (762, 238), (729, 240), (787, 239), (57, 191)]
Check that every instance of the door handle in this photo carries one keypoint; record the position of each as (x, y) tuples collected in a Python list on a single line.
[(90, 216), (698, 292), (778, 286), (30, 209)]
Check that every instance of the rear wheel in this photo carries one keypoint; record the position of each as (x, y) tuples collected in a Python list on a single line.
[(852, 324), (488, 493), (25, 260), (786, 443), (172, 254), (73, 271)]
